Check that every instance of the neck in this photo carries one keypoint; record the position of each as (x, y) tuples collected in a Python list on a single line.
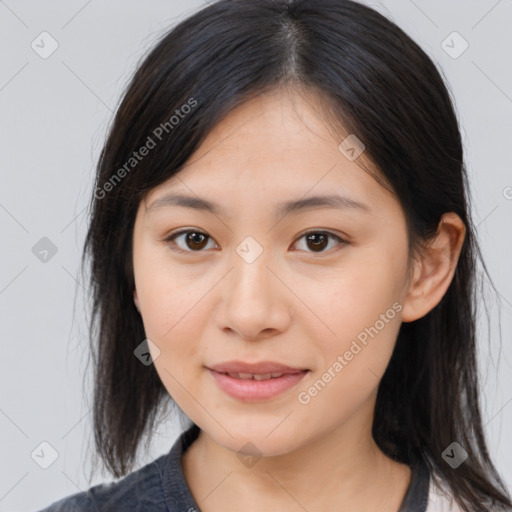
[(343, 466)]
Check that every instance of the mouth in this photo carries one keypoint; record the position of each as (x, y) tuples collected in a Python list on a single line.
[(254, 382), (255, 376)]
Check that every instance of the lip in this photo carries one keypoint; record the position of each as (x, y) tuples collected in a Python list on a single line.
[(251, 390), (255, 368)]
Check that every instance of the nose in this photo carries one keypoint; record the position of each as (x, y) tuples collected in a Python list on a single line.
[(255, 303)]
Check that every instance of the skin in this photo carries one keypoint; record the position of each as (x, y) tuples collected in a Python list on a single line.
[(296, 304)]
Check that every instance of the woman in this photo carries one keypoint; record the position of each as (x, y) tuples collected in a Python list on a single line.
[(281, 241)]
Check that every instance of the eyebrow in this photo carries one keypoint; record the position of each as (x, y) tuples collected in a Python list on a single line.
[(282, 209)]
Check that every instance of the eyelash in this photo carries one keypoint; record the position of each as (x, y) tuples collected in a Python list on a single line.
[(170, 239)]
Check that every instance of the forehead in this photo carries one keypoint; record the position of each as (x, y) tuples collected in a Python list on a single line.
[(274, 146), (277, 122)]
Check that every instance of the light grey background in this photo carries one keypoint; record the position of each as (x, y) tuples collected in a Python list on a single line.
[(54, 115)]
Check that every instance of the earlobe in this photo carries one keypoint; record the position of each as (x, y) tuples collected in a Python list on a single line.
[(434, 269)]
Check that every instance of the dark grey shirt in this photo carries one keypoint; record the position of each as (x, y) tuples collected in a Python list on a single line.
[(160, 486)]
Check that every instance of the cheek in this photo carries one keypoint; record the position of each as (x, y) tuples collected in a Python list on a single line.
[(169, 295), (172, 318), (361, 305), (174, 309), (352, 364), (360, 292)]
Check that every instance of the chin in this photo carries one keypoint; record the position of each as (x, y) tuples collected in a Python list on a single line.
[(261, 439)]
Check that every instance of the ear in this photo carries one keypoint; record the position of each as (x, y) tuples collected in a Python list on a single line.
[(136, 300), (434, 268)]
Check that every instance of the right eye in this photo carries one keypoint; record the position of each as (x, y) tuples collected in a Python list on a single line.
[(193, 241)]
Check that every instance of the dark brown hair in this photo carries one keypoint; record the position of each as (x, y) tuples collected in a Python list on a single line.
[(378, 84)]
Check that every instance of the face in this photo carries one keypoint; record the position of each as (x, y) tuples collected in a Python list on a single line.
[(315, 290)]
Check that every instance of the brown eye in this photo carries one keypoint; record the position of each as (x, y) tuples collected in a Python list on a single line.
[(192, 240), (317, 241), (196, 241)]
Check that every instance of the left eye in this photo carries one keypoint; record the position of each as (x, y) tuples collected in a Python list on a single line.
[(319, 239), (195, 241)]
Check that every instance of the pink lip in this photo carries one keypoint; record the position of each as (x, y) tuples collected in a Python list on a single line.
[(261, 368), (250, 390)]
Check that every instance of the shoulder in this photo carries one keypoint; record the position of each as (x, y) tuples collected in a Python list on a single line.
[(143, 488), (79, 502)]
